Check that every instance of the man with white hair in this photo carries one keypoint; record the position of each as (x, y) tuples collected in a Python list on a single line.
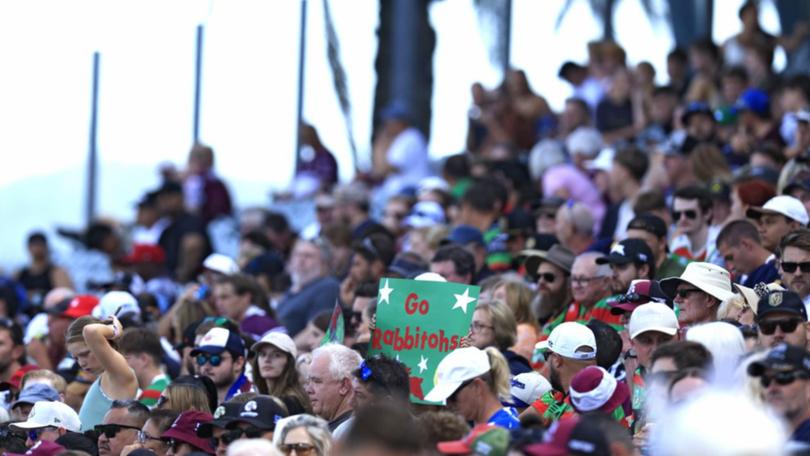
[(329, 384), (574, 227), (590, 288)]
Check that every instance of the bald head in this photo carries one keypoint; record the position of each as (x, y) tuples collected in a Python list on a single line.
[(56, 296)]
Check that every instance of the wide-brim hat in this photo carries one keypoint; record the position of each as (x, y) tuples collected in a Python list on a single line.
[(558, 255), (709, 278)]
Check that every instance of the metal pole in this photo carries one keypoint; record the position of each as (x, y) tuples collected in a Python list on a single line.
[(198, 84), (302, 44), (90, 209), (507, 37)]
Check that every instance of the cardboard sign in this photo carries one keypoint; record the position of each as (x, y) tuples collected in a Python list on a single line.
[(418, 323)]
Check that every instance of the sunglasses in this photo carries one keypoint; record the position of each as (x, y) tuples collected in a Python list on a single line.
[(786, 326), (236, 434), (690, 214), (685, 292), (454, 396), (299, 448), (110, 430), (781, 378), (34, 434), (215, 360), (790, 267), (547, 277)]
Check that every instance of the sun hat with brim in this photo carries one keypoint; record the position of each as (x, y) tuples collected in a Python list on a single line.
[(784, 205), (707, 277), (555, 440), (558, 255), (653, 317), (456, 368), (485, 439), (279, 340), (595, 389)]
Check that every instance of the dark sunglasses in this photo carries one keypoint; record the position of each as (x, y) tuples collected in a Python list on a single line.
[(781, 378), (454, 396), (787, 326), (235, 434), (214, 360), (34, 434), (790, 267), (691, 214), (685, 292), (547, 277), (110, 430), (299, 448)]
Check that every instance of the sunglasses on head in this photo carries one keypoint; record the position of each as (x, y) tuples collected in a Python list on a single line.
[(110, 430), (781, 378), (790, 267), (787, 326), (236, 434), (299, 448), (547, 277), (690, 214), (213, 359)]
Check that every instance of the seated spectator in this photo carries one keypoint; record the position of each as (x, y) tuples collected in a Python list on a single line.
[(329, 384), (220, 356), (380, 379), (182, 435), (120, 426), (493, 325), (303, 434), (47, 421), (240, 298), (274, 373)]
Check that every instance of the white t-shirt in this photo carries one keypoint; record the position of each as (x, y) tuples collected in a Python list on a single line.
[(408, 153)]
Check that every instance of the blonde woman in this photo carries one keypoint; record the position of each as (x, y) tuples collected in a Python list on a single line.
[(493, 325), (518, 296)]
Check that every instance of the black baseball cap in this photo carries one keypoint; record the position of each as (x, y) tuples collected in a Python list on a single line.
[(628, 251), (262, 412), (223, 416), (783, 357), (782, 301), (649, 223)]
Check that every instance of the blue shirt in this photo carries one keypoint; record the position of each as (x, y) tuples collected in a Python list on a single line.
[(297, 309), (506, 417), (765, 273)]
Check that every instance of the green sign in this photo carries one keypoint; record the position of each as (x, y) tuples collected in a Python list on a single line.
[(418, 323)]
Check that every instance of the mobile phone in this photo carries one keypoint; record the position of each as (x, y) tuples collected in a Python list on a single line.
[(202, 292)]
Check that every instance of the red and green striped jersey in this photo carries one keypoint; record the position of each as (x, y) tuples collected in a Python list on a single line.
[(579, 313), (149, 397), (553, 406)]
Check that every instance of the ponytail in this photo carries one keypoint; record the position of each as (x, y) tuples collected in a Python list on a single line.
[(499, 374)]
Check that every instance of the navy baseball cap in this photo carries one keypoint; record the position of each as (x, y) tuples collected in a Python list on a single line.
[(218, 340), (783, 357), (465, 234), (628, 251), (781, 301)]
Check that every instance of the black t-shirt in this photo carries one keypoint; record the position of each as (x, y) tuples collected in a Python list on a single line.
[(611, 116), (172, 237)]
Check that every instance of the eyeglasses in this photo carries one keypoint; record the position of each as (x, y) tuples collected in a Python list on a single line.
[(235, 434), (547, 277), (110, 430), (585, 280), (781, 378), (786, 326), (143, 437), (690, 214), (685, 292), (790, 267), (34, 434), (477, 326), (299, 448), (214, 359)]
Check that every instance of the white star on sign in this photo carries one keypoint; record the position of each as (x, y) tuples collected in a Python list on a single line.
[(385, 293), (422, 364), (618, 248), (462, 300)]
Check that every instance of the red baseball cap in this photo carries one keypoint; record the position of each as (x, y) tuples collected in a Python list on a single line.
[(16, 378), (494, 438), (76, 307), (145, 253)]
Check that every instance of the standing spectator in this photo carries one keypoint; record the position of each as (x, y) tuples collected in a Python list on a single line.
[(316, 162), (313, 289), (144, 353), (698, 292), (329, 384), (614, 114), (41, 275), (92, 343), (185, 239), (399, 153), (220, 356), (274, 371), (473, 382), (205, 193), (778, 217)]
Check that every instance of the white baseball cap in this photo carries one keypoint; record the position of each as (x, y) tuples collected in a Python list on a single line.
[(653, 316), (785, 205), (527, 388), (56, 414), (456, 368), (112, 301), (223, 264), (568, 339), (279, 340)]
